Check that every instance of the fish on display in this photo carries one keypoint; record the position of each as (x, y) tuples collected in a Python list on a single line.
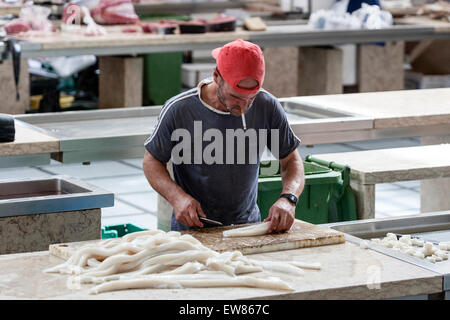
[(102, 11)]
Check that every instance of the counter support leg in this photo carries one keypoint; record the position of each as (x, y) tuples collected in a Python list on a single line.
[(319, 71), (434, 193), (120, 82), (8, 88), (380, 66), (281, 78), (35, 232), (365, 200)]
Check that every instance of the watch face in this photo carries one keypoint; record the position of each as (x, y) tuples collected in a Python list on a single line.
[(292, 198)]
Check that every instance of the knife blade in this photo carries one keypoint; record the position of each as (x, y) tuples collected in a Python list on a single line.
[(211, 222)]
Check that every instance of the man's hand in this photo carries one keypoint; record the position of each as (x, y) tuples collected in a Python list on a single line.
[(281, 215), (187, 210)]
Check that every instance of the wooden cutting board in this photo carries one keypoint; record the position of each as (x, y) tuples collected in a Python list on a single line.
[(301, 235)]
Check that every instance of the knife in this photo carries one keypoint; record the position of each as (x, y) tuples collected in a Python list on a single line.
[(211, 222)]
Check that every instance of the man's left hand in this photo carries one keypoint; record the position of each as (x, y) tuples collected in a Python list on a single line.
[(282, 215)]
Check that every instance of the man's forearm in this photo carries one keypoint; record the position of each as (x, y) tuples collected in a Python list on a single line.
[(292, 174), (159, 178)]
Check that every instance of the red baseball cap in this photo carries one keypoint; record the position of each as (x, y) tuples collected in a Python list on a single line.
[(239, 60)]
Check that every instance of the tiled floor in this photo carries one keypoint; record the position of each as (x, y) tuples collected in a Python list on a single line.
[(136, 202)]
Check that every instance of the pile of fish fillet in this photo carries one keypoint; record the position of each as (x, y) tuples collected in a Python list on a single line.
[(158, 259)]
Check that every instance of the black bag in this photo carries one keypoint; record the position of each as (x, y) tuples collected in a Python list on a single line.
[(7, 128)]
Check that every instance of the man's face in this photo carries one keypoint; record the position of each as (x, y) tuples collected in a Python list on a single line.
[(233, 101)]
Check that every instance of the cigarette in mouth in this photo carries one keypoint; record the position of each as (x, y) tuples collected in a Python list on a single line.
[(243, 120)]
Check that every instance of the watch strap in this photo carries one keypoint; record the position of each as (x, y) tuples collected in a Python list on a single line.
[(292, 198)]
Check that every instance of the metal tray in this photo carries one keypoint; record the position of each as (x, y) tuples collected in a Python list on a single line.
[(433, 226), (46, 195)]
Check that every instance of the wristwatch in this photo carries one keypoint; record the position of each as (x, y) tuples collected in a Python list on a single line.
[(292, 198)]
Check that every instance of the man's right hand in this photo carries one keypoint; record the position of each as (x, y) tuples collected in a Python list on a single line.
[(187, 210)]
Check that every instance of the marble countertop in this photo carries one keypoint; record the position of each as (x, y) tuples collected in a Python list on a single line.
[(29, 140), (348, 272), (407, 163), (390, 109)]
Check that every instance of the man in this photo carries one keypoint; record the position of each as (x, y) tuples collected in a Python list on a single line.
[(204, 130)]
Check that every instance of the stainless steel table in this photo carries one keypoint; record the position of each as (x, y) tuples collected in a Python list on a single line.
[(120, 133), (99, 134)]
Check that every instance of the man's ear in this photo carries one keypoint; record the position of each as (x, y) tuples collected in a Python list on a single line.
[(216, 76)]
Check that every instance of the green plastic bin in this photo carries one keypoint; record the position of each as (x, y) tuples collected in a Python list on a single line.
[(162, 77), (317, 203), (162, 71), (119, 230), (343, 201)]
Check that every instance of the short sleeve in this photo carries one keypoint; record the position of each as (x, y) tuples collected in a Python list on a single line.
[(159, 144), (287, 140)]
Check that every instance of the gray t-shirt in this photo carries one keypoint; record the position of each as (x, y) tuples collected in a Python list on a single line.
[(214, 160)]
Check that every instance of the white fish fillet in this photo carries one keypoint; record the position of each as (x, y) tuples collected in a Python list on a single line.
[(191, 282), (144, 254), (216, 265), (80, 257), (240, 281), (156, 259), (181, 257), (134, 284), (171, 247), (187, 268), (131, 236), (92, 262), (306, 265), (125, 275), (121, 258), (240, 267), (134, 275), (103, 272), (191, 239), (146, 270), (279, 267), (256, 230)]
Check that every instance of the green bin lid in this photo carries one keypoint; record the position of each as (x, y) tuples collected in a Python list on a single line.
[(310, 179), (310, 168)]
